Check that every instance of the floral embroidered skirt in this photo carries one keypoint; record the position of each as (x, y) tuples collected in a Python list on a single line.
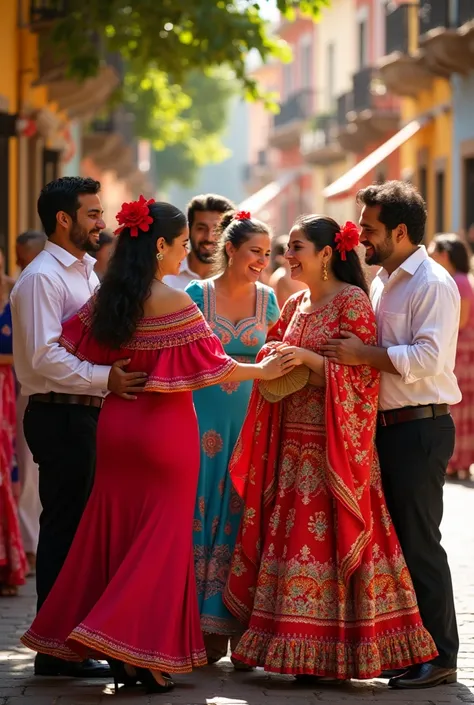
[(221, 411), (304, 619)]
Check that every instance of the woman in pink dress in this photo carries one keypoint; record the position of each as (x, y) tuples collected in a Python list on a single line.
[(452, 253), (127, 590)]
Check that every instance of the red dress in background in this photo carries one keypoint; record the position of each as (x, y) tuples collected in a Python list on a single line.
[(318, 576), (463, 413), (127, 589), (12, 556), (13, 564)]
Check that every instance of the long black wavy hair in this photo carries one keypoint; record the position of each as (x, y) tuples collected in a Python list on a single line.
[(321, 230), (132, 268)]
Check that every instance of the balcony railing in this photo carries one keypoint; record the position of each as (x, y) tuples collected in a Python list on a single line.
[(465, 12), (433, 14), (320, 135), (47, 10), (345, 103), (363, 97), (396, 30), (298, 107)]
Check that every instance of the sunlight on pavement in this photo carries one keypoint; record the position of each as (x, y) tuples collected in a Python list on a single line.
[(226, 701)]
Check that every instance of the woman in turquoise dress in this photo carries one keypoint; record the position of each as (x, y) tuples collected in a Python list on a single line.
[(240, 310)]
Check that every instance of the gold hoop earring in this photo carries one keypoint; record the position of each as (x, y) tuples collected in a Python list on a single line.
[(160, 256), (325, 272), (231, 259)]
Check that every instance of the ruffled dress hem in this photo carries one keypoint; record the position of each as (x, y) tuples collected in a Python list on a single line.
[(342, 660), (83, 643)]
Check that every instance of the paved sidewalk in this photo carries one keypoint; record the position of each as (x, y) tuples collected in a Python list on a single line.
[(220, 685)]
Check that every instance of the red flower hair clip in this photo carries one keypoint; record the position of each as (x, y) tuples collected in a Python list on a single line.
[(347, 239), (136, 216), (242, 215)]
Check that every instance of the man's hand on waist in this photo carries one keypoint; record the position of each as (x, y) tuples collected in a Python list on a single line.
[(125, 384)]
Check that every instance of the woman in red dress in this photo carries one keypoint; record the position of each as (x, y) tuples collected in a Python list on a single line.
[(127, 591), (318, 576)]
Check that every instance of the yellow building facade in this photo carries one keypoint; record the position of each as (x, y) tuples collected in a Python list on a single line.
[(25, 146), (427, 44), (38, 104), (426, 159)]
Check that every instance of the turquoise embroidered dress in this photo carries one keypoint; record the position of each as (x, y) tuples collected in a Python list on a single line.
[(221, 410)]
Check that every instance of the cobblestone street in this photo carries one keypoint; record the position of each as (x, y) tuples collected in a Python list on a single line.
[(220, 685)]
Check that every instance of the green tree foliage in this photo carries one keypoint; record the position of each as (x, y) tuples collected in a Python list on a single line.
[(204, 121), (167, 46), (176, 36)]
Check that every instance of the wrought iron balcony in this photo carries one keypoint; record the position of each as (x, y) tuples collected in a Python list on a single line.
[(397, 30), (363, 97), (46, 11), (433, 14), (319, 145), (297, 107), (260, 172), (345, 104), (446, 50)]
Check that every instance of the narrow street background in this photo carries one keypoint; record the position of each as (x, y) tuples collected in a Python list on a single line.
[(220, 685)]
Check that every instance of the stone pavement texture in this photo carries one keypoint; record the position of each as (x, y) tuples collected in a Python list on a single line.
[(220, 685)]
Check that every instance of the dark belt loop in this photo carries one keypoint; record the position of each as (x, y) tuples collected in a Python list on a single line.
[(433, 408)]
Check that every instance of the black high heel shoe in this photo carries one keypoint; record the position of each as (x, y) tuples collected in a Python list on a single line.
[(151, 685), (120, 675)]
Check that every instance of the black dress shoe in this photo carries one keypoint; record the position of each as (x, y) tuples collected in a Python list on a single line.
[(425, 675), (46, 665)]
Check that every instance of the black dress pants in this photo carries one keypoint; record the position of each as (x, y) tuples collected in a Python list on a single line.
[(413, 459), (62, 439)]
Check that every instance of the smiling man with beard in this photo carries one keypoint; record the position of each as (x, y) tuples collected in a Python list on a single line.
[(65, 393), (204, 214)]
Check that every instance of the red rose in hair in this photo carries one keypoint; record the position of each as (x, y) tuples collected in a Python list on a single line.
[(136, 216), (242, 215), (347, 239)]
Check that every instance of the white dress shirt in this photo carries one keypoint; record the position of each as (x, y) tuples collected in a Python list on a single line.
[(48, 292), (417, 310), (181, 280)]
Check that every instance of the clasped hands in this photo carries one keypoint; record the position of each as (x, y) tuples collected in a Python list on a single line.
[(347, 350)]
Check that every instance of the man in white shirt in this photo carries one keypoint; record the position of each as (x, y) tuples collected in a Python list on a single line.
[(204, 213), (417, 307), (65, 393)]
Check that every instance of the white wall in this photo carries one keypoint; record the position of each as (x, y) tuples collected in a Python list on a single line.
[(338, 26)]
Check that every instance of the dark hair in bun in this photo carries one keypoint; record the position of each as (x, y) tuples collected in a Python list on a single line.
[(236, 231)]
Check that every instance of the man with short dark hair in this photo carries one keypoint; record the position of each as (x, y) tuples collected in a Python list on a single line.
[(204, 213), (28, 245), (417, 307), (65, 393)]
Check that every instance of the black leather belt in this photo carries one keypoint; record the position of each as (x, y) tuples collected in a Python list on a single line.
[(412, 413), (57, 398)]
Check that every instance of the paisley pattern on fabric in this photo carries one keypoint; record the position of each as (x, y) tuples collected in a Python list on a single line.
[(317, 575)]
